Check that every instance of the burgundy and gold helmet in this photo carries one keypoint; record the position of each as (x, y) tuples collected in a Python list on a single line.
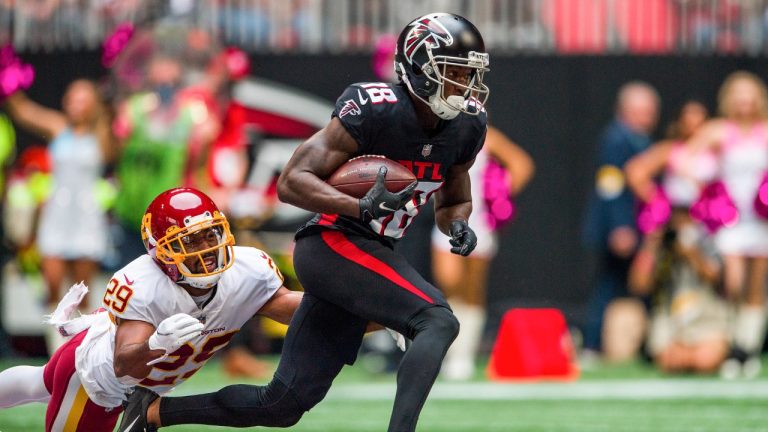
[(173, 222)]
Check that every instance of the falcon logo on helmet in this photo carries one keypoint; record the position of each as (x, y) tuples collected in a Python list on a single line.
[(425, 31), (188, 237)]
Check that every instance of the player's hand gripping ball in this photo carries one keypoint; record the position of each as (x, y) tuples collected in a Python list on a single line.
[(380, 202), (358, 175), (463, 239), (383, 185)]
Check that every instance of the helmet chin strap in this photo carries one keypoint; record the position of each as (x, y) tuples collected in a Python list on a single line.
[(204, 282), (448, 108), (201, 282)]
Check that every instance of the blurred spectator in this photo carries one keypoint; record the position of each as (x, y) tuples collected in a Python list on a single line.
[(740, 139), (238, 23), (7, 147), (682, 173), (464, 279), (646, 27), (716, 26), (677, 263), (609, 227), (81, 145), (164, 134), (579, 26), (680, 268)]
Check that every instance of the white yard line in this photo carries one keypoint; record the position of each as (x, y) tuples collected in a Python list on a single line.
[(646, 389), (618, 389)]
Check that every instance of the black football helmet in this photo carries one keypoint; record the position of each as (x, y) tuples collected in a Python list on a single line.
[(430, 44)]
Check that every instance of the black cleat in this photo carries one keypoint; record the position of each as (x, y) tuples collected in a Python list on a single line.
[(135, 411)]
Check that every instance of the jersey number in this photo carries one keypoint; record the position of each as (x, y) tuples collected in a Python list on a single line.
[(184, 354), (380, 93), (117, 296), (272, 265)]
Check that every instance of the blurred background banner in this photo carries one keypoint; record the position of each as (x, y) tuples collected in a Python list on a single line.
[(509, 26)]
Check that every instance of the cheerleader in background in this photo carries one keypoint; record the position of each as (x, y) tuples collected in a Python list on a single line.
[(740, 139), (677, 263), (463, 279), (71, 235)]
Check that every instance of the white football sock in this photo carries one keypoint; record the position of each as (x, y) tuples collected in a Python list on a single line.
[(22, 384), (459, 363), (750, 328)]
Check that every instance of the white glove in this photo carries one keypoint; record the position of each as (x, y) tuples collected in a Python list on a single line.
[(399, 339), (172, 333)]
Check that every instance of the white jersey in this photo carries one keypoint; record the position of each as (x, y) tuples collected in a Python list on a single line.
[(141, 291)]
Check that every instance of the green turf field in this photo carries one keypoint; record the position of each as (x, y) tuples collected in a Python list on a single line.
[(618, 398)]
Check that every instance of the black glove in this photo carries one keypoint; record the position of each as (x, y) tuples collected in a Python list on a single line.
[(380, 202), (463, 239)]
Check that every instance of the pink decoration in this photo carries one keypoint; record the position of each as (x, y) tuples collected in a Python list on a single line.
[(15, 75), (655, 213), (715, 208), (115, 43), (237, 62), (384, 57), (761, 199), (499, 206)]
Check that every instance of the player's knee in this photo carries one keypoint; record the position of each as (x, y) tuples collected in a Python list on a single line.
[(288, 419), (440, 322), (275, 405), (285, 404)]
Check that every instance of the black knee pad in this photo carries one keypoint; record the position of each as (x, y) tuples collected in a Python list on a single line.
[(439, 321)]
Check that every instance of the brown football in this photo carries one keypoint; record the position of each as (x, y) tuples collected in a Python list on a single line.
[(356, 176)]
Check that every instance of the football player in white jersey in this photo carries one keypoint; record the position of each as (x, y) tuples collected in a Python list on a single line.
[(164, 315)]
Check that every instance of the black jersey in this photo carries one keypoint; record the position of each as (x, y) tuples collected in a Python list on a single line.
[(382, 119)]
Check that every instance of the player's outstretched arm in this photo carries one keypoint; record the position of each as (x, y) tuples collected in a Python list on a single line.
[(302, 182), (138, 345), (132, 351), (282, 305)]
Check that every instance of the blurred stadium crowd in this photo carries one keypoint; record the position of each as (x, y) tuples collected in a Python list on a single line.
[(680, 227), (536, 26)]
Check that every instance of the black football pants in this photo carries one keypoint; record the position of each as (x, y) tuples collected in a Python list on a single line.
[(348, 280)]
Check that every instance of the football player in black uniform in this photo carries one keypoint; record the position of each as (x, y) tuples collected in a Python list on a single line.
[(434, 123)]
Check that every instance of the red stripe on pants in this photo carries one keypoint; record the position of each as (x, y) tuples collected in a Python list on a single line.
[(56, 375), (342, 246)]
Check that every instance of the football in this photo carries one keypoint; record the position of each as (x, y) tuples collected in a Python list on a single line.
[(356, 176)]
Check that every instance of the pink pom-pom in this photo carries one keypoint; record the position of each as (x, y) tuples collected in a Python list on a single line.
[(15, 75), (655, 213), (115, 43), (384, 57), (761, 199), (237, 63), (715, 209), (499, 206)]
